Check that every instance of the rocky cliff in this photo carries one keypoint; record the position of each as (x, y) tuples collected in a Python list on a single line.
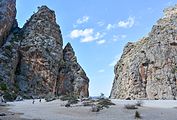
[(32, 60), (148, 68), (7, 18)]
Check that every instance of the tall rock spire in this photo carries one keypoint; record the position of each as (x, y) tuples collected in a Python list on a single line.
[(72, 74), (41, 52)]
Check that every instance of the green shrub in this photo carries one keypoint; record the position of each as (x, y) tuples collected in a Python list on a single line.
[(3, 86), (137, 115), (16, 87), (26, 96), (62, 63), (105, 103), (68, 97), (50, 97), (158, 79), (174, 69), (9, 96), (1, 79), (9, 47), (73, 101)]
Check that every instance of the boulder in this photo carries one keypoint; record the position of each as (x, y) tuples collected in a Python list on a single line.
[(19, 98)]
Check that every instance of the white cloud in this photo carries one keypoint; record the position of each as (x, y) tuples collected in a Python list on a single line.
[(100, 23), (101, 42), (115, 60), (82, 20), (75, 33), (81, 33), (86, 35), (110, 26), (118, 37), (99, 35), (122, 24), (87, 39), (127, 23), (101, 70)]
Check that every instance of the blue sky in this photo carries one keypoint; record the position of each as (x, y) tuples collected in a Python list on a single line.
[(98, 30)]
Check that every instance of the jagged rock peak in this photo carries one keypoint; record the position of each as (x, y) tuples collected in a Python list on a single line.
[(46, 13), (68, 53), (147, 69), (73, 75), (168, 12), (43, 22), (7, 18), (68, 46)]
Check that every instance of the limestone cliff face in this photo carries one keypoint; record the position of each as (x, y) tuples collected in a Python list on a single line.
[(148, 68), (7, 18), (33, 62), (40, 52)]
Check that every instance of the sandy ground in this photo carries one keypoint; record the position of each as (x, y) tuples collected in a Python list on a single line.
[(10, 115), (151, 110)]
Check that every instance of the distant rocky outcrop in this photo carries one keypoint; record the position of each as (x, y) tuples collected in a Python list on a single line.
[(72, 72), (32, 60), (148, 68)]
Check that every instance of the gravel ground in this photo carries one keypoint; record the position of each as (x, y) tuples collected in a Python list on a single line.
[(55, 110), (9, 115)]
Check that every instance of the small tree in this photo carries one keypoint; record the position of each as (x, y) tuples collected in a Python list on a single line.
[(102, 95), (137, 115)]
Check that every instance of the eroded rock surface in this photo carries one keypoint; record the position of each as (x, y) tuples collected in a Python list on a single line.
[(72, 74), (7, 18), (148, 68), (33, 62), (41, 52)]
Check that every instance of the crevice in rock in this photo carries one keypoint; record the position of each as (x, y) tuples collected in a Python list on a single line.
[(173, 44), (18, 71)]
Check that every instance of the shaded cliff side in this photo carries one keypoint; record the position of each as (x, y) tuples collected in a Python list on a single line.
[(7, 18), (147, 69)]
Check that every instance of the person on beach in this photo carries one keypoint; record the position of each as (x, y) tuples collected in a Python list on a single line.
[(33, 101), (2, 100)]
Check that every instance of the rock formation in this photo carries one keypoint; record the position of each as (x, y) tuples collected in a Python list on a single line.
[(32, 60), (148, 68), (7, 18), (74, 73)]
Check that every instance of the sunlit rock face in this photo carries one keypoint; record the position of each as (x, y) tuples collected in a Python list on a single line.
[(41, 53), (33, 61), (147, 69)]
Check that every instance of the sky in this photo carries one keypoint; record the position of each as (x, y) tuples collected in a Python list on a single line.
[(98, 30)]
